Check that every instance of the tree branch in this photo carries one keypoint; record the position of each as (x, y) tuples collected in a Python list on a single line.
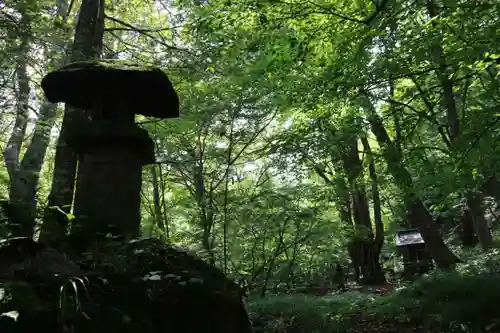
[(145, 32)]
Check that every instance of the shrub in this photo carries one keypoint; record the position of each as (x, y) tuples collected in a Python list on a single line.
[(438, 302), (303, 313)]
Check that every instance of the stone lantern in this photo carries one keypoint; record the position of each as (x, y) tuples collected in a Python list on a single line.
[(111, 147)]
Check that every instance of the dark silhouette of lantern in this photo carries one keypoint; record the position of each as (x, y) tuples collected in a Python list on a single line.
[(111, 147)]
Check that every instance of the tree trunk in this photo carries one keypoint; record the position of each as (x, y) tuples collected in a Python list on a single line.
[(491, 188), (206, 210), (13, 148), (22, 215), (158, 217), (365, 257), (466, 230), (353, 206), (377, 209), (343, 202), (270, 268), (164, 205), (444, 258), (87, 45), (360, 208), (363, 249), (25, 183), (479, 221), (444, 75)]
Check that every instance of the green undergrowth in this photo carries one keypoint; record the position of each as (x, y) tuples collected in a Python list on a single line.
[(464, 301)]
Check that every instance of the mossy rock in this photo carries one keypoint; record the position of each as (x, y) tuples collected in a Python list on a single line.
[(120, 286)]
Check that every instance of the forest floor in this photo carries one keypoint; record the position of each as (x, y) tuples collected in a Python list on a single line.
[(434, 303), (375, 290)]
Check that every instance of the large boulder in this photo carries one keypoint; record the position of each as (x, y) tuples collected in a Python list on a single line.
[(114, 286)]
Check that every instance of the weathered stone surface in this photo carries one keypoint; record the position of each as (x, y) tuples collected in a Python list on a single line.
[(107, 194), (107, 135)]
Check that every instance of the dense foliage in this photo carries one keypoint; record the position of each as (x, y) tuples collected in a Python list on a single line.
[(310, 132)]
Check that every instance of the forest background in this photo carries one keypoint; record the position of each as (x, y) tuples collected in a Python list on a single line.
[(305, 126)]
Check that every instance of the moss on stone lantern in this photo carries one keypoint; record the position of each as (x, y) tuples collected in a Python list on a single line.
[(103, 84)]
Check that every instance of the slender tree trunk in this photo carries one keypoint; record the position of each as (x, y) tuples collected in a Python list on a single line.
[(206, 210), (158, 217), (164, 205), (13, 148), (87, 45), (377, 208), (28, 174), (270, 268), (22, 218)]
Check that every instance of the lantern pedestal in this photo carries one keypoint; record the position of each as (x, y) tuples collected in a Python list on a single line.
[(107, 196)]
